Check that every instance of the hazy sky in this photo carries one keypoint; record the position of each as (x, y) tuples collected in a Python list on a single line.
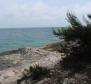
[(39, 13)]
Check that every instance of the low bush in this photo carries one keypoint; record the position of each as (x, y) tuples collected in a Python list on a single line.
[(34, 73), (38, 72)]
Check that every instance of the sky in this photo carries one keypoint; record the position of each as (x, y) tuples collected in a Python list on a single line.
[(40, 13)]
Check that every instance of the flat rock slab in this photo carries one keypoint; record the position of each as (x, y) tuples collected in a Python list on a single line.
[(12, 65)]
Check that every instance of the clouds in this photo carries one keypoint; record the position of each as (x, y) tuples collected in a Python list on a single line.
[(32, 13)]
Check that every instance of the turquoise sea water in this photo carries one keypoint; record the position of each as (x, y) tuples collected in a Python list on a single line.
[(25, 37)]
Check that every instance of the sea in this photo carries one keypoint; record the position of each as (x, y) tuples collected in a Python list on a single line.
[(14, 38)]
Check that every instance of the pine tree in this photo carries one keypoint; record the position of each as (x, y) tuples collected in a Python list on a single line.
[(78, 41)]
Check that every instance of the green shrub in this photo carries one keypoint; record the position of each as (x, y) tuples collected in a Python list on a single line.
[(34, 73), (77, 38), (38, 72)]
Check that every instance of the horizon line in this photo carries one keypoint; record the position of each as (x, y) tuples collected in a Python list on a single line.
[(24, 27)]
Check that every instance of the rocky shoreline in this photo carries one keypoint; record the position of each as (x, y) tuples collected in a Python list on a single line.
[(13, 63)]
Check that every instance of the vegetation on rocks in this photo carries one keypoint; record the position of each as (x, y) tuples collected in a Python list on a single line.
[(77, 42), (34, 73), (38, 72)]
